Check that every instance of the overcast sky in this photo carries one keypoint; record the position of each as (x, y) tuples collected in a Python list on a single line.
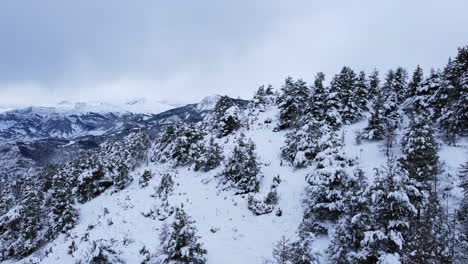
[(181, 51)]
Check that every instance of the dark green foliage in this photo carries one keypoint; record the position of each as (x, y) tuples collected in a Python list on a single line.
[(303, 143), (226, 117), (92, 183), (374, 84), (392, 210), (210, 156), (122, 178), (145, 178), (343, 88), (166, 186), (420, 159), (102, 252), (317, 104), (180, 243), (326, 195), (291, 102), (288, 252), (242, 169), (361, 94), (179, 143), (263, 97), (400, 84), (453, 97)]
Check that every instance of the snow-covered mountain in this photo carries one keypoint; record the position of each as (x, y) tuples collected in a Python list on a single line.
[(127, 223), (351, 172), (71, 120)]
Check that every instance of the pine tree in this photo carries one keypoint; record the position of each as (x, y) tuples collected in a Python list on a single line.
[(454, 94), (318, 99), (211, 156), (461, 248), (179, 143), (303, 143), (63, 213), (102, 252), (326, 194), (22, 230), (145, 178), (344, 86), (361, 94), (421, 101), (242, 169), (181, 244), (346, 245), (391, 211), (288, 252), (385, 116), (332, 115), (374, 84), (263, 97), (420, 159), (122, 178), (416, 81), (226, 117), (91, 183), (292, 101), (400, 85)]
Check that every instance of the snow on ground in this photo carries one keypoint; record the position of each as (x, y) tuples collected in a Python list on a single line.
[(240, 237)]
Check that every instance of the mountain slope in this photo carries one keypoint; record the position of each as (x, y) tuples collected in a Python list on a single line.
[(230, 232)]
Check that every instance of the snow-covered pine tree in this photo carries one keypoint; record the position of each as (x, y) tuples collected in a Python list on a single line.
[(461, 248), (122, 178), (415, 82), (344, 86), (289, 252), (326, 194), (374, 84), (263, 97), (420, 158), (391, 211), (303, 143), (181, 244), (23, 229), (179, 143), (429, 226), (145, 178), (400, 84), (421, 103), (332, 115), (429, 241), (210, 157), (319, 95), (292, 101), (454, 113), (361, 95), (242, 169), (102, 252), (6, 198), (63, 215), (91, 182), (226, 117), (345, 246), (375, 129), (385, 116)]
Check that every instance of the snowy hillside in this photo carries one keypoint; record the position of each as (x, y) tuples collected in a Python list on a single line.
[(231, 233), (354, 171)]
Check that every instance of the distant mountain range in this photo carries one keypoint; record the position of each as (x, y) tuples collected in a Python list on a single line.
[(40, 135)]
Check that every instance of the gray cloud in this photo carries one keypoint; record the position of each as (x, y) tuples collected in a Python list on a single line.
[(183, 50)]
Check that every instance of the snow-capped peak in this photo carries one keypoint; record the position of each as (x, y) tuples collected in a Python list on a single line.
[(208, 103)]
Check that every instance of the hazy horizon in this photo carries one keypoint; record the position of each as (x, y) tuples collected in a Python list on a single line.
[(180, 52)]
